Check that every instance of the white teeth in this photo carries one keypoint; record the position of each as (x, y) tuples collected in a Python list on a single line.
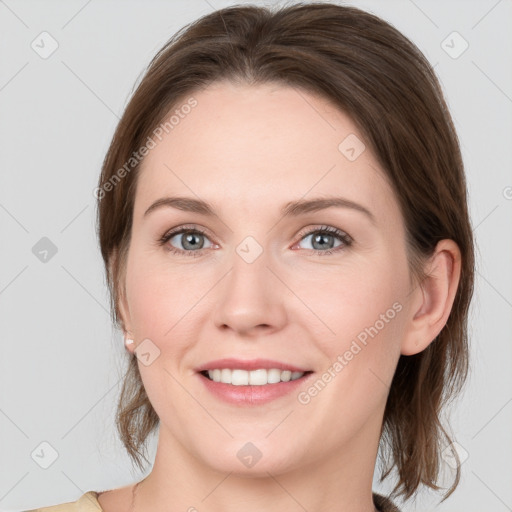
[(255, 377), (273, 376), (239, 378)]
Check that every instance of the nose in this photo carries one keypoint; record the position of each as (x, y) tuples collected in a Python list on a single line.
[(251, 299)]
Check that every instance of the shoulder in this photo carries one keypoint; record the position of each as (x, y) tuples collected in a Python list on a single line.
[(88, 502), (384, 504)]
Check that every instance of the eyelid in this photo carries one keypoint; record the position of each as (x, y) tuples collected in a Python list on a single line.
[(183, 229), (324, 229)]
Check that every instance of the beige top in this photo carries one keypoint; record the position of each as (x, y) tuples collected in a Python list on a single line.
[(88, 502)]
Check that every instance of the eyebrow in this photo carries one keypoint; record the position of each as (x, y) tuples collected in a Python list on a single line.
[(291, 209)]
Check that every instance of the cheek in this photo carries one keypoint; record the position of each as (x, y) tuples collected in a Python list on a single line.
[(156, 299), (167, 301), (366, 315), (359, 310), (160, 309)]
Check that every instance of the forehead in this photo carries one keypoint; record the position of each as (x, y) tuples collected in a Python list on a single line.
[(259, 146)]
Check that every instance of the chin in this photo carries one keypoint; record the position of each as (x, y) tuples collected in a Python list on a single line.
[(252, 459)]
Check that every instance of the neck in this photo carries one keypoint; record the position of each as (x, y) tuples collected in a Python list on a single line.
[(180, 481)]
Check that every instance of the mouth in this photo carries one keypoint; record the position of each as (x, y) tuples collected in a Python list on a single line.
[(252, 388), (244, 382), (257, 377)]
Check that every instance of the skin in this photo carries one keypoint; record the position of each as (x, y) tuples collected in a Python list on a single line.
[(248, 150)]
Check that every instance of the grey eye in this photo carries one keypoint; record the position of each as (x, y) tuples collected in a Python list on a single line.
[(189, 240)]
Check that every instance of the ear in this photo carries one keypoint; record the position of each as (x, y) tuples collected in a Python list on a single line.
[(433, 298), (122, 305)]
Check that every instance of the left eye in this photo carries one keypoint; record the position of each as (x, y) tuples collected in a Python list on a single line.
[(324, 239)]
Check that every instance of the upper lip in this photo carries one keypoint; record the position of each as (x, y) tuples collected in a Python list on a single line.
[(252, 364)]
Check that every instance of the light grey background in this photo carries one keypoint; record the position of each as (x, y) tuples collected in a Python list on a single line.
[(61, 360)]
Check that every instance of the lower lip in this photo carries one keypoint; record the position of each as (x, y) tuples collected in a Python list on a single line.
[(252, 395)]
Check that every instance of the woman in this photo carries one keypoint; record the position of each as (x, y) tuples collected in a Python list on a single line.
[(283, 218)]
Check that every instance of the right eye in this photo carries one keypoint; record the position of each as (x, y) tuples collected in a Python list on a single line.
[(190, 239)]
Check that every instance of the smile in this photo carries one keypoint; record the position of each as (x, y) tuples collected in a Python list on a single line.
[(259, 377)]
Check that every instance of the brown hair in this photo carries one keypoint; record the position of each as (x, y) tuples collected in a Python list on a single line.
[(382, 80)]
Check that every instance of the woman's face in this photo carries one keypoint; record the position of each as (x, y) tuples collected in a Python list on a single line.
[(261, 280)]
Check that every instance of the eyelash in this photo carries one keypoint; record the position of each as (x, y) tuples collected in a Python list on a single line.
[(342, 236)]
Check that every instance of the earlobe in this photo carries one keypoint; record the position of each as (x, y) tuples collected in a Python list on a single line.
[(433, 299), (129, 344)]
